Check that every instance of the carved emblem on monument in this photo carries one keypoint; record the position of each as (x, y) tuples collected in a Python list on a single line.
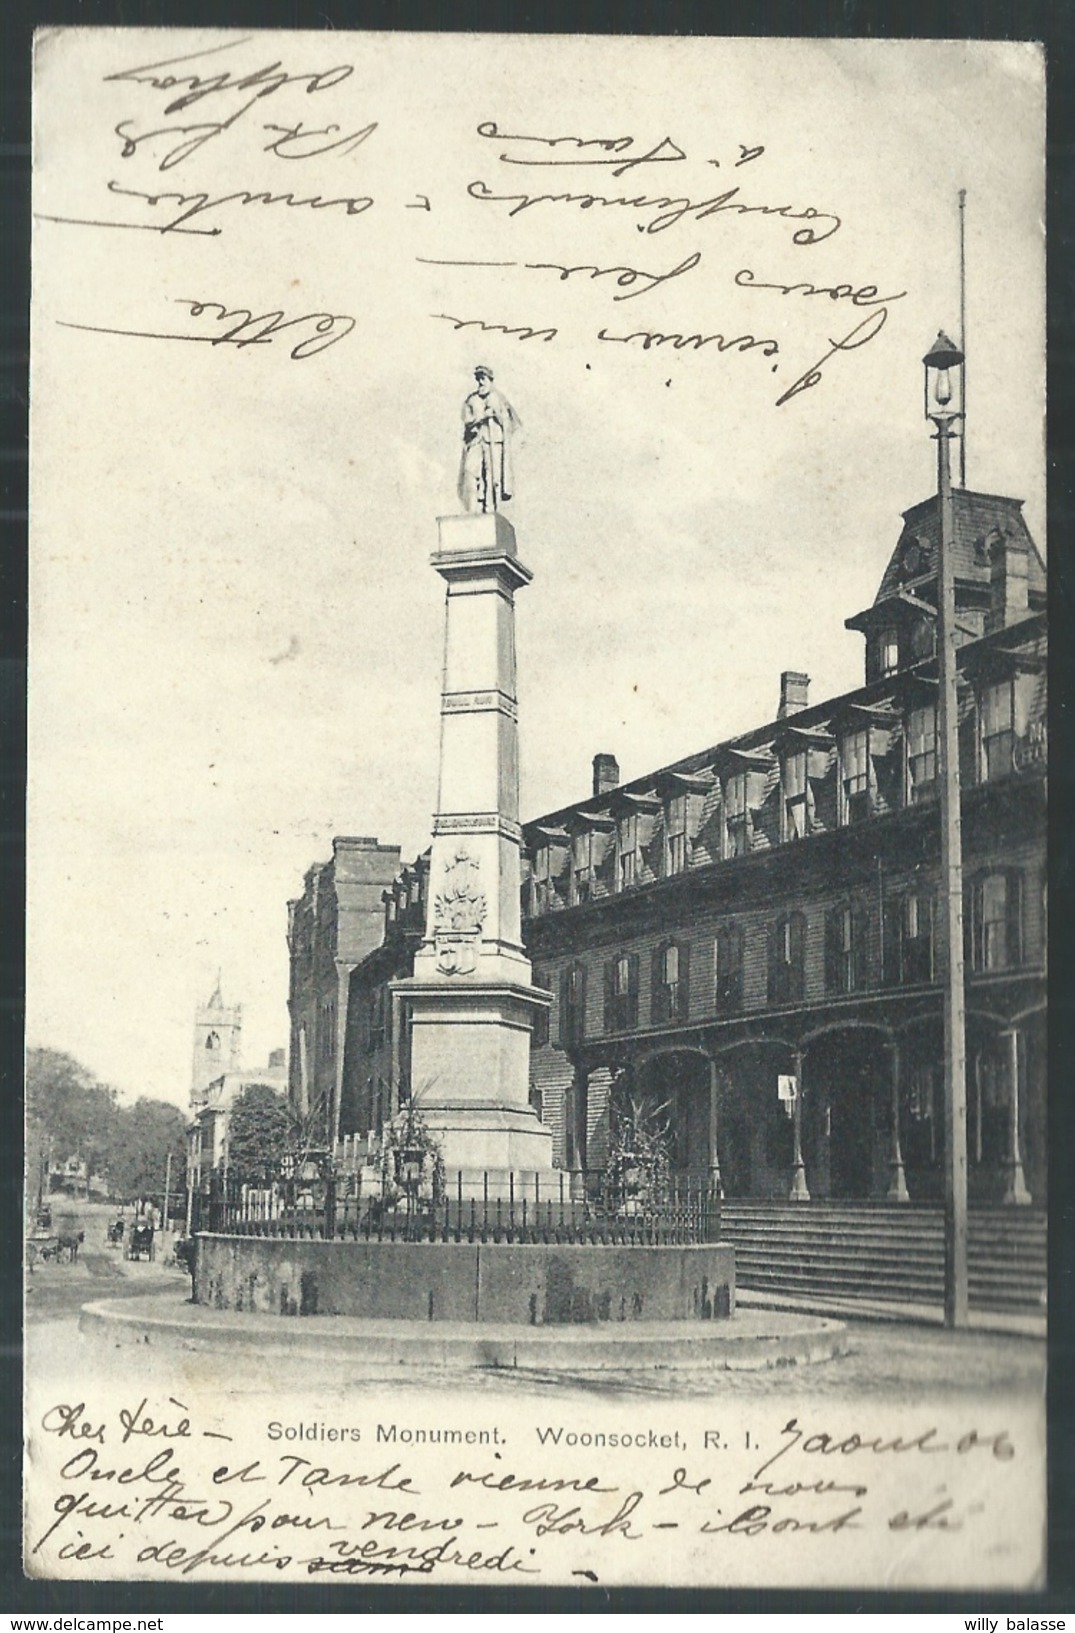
[(459, 908)]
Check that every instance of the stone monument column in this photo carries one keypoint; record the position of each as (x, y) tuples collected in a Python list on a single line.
[(472, 997)]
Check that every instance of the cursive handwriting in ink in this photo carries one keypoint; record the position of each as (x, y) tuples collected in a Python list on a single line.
[(671, 210), (71, 1420), (753, 1522), (616, 146), (822, 1443), (680, 1482), (626, 277), (865, 296), (244, 329), (652, 338), (375, 1558), (550, 1520), (263, 81), (860, 335), (196, 204), (292, 142), (495, 1481), (139, 1422), (295, 134), (520, 333)]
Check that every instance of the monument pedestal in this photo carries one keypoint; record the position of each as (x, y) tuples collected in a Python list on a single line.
[(472, 999)]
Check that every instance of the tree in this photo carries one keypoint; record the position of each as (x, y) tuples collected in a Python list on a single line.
[(68, 1110), (146, 1133), (259, 1134)]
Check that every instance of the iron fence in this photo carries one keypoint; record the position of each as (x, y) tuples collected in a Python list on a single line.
[(564, 1206)]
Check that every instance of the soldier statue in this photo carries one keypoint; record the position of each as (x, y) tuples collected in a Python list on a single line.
[(485, 478)]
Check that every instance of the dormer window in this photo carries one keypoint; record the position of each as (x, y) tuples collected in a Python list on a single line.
[(922, 754), (794, 807), (582, 865), (540, 880), (675, 834), (736, 815), (923, 645), (888, 647), (854, 777), (627, 851)]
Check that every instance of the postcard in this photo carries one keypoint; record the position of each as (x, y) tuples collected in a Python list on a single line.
[(536, 821)]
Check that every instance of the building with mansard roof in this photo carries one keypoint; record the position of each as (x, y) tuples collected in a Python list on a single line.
[(757, 924)]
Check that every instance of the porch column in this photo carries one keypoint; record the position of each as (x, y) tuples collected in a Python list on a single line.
[(715, 1182), (798, 1191), (1015, 1190), (897, 1189), (577, 1118)]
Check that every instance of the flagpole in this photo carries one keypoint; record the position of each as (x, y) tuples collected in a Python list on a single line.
[(963, 334)]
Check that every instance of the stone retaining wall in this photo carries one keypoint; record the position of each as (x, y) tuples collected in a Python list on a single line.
[(524, 1284)]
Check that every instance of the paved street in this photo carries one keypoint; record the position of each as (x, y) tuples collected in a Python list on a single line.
[(885, 1360)]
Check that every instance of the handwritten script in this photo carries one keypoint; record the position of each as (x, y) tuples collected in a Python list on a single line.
[(223, 143), (156, 1487)]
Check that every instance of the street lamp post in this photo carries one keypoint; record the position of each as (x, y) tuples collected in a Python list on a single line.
[(939, 363)]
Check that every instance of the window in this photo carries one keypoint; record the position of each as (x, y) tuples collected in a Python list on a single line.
[(888, 647), (675, 835), (998, 730), (328, 1029), (542, 886), (621, 993), (922, 754), (922, 638), (992, 922), (787, 959), (572, 1005), (212, 1042), (736, 816), (922, 1096), (796, 797), (539, 1034), (627, 851), (671, 983), (379, 1011), (846, 934), (582, 867), (909, 939), (728, 967), (855, 777)]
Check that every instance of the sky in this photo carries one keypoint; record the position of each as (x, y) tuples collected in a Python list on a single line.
[(235, 632)]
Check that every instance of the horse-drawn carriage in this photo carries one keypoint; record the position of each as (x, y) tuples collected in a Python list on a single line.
[(140, 1243), (61, 1245)]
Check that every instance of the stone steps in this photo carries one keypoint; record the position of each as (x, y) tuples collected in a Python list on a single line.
[(879, 1252)]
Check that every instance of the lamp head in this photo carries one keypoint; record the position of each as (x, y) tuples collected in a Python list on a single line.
[(943, 356)]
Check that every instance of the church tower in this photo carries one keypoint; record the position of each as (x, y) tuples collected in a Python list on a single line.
[(217, 1044)]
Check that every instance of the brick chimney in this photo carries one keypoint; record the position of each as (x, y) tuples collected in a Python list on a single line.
[(606, 774), (794, 693), (1009, 568)]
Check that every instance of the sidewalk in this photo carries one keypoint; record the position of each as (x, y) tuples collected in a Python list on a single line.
[(862, 1309), (753, 1340)]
